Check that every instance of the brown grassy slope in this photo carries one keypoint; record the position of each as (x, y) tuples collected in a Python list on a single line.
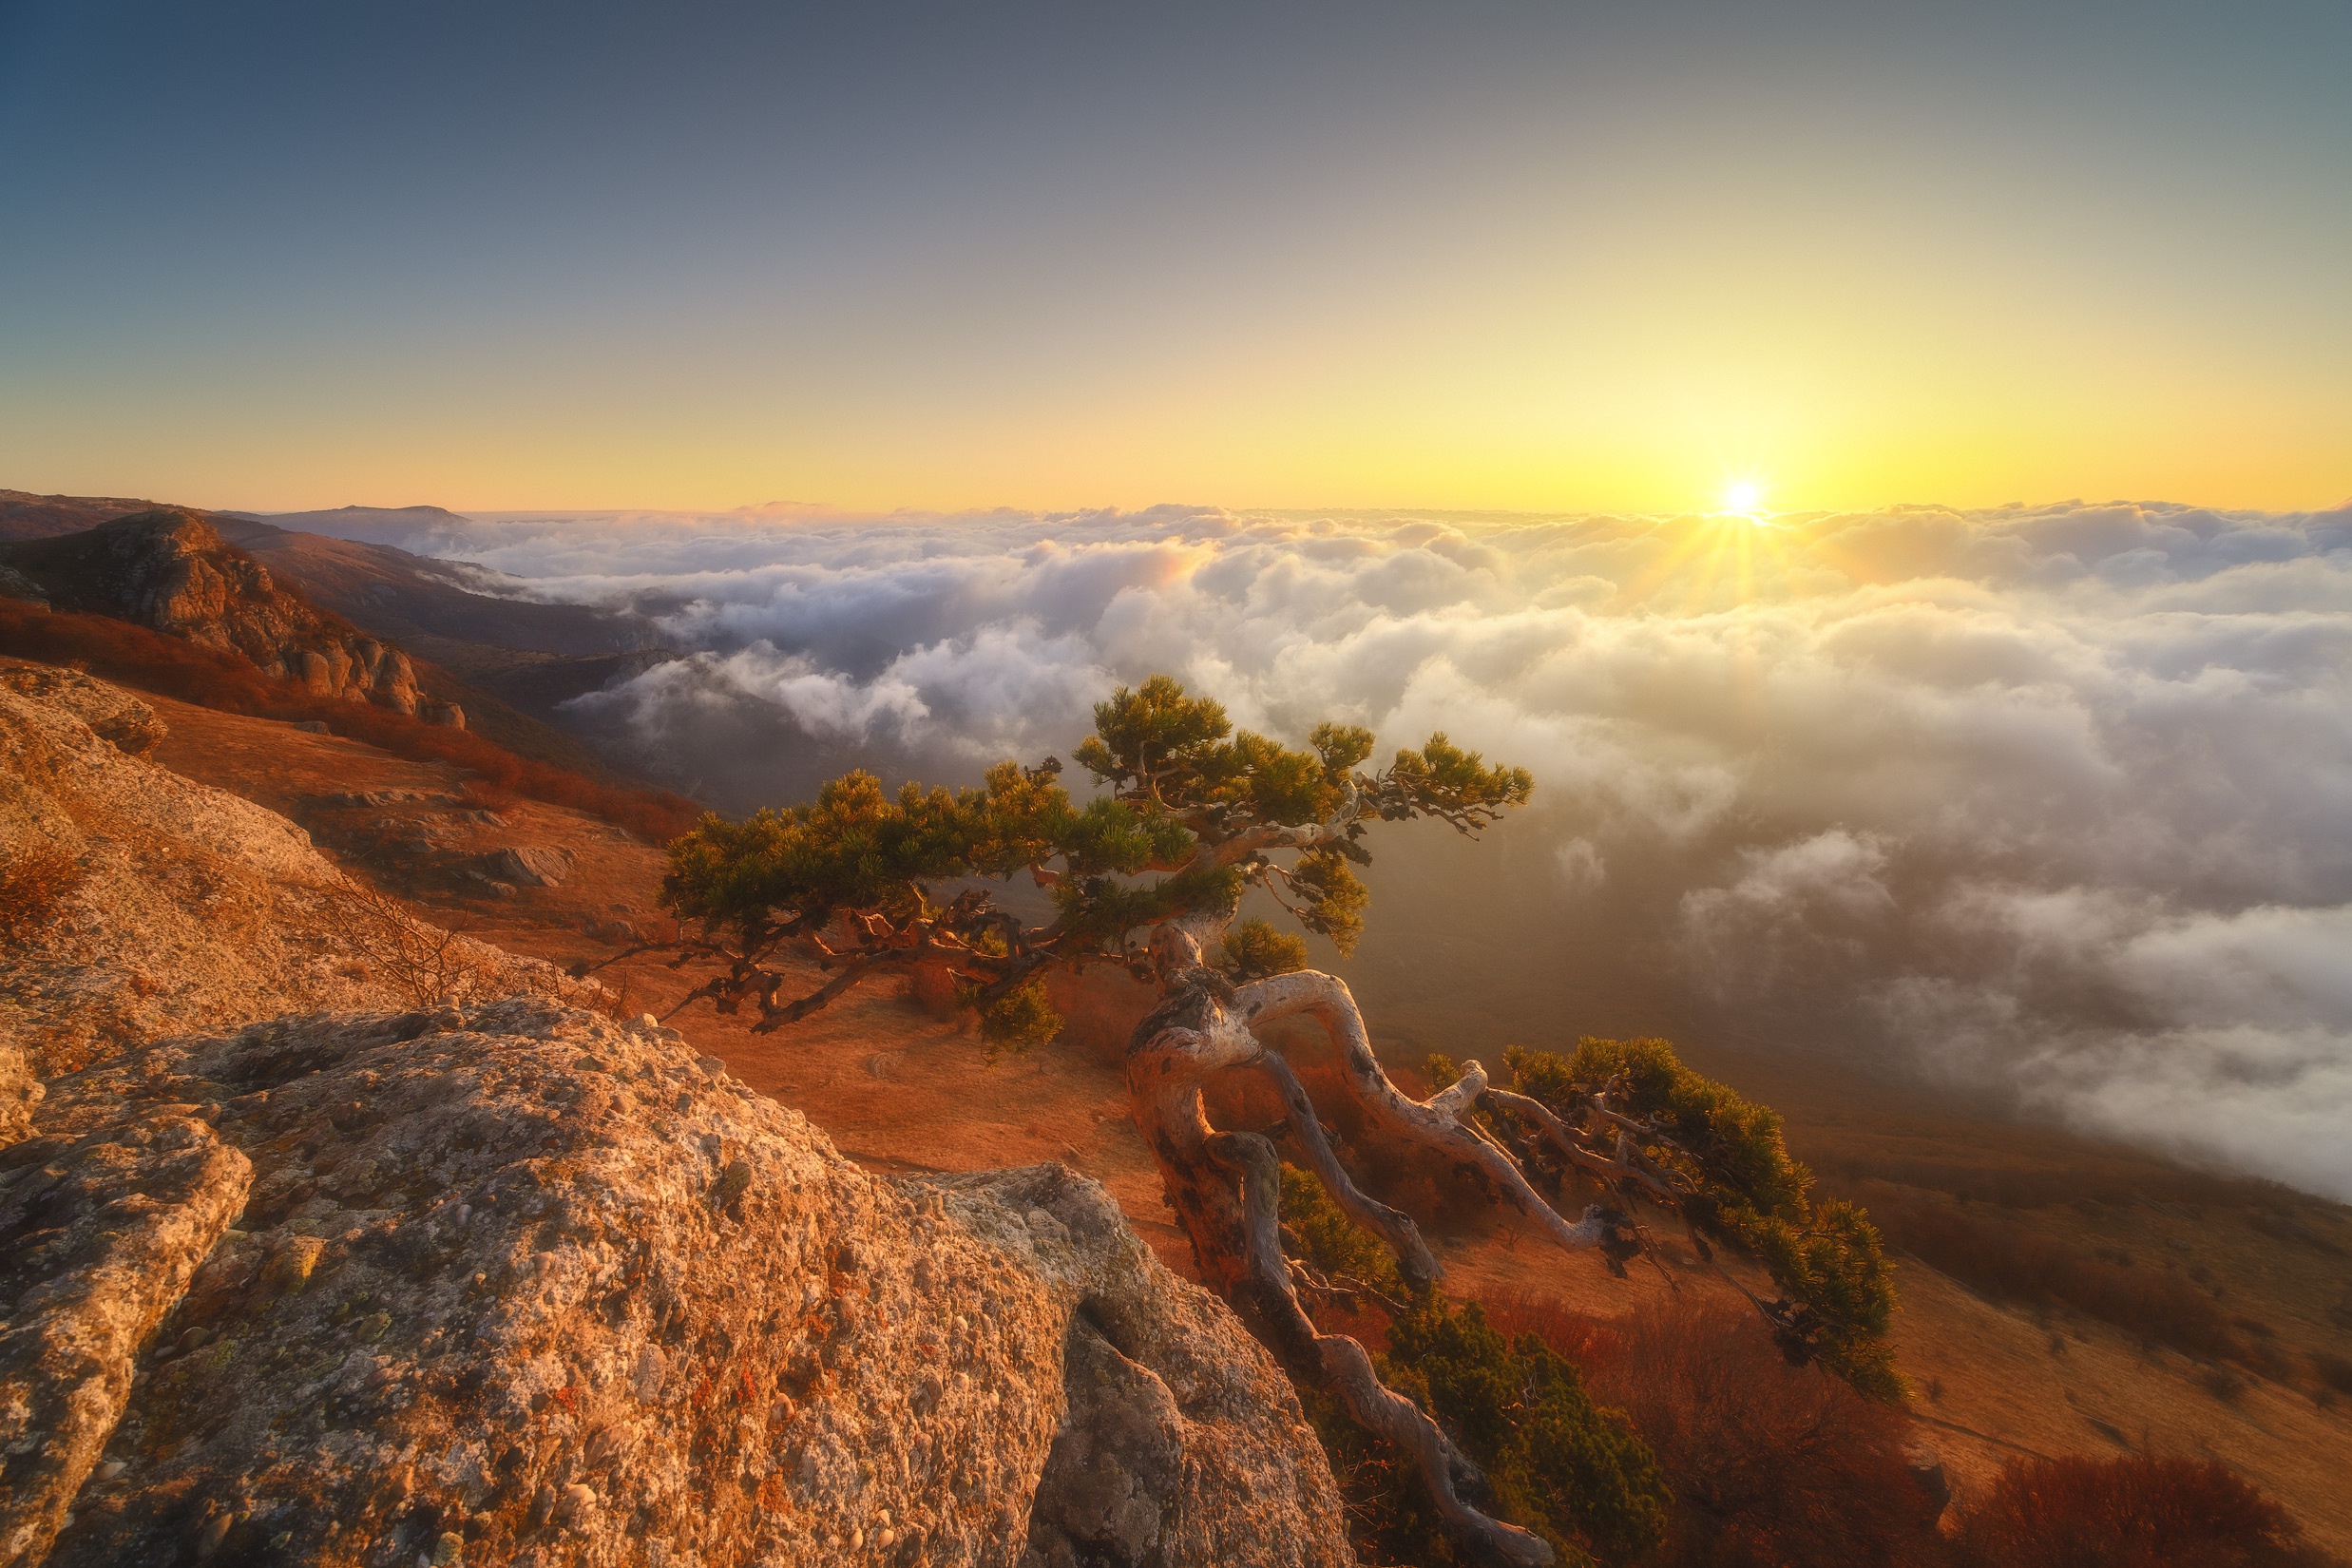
[(899, 1088), (24, 515), (80, 572), (167, 666)]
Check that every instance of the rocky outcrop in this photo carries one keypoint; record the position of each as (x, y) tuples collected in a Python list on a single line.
[(515, 1283), (498, 1279), (191, 907), (15, 584), (113, 714), (1181, 1442), (170, 570), (530, 866)]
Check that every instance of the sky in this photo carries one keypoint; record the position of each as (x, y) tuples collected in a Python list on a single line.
[(1544, 256)]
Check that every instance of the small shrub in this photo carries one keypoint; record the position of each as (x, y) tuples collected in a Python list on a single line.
[(1332, 1243), (2139, 1512), (1771, 1466), (1557, 1464), (1254, 949), (1018, 1022), (426, 961), (33, 883)]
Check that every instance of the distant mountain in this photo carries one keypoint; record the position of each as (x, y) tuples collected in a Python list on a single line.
[(170, 571), (405, 525), (400, 595), (532, 655), (24, 515)]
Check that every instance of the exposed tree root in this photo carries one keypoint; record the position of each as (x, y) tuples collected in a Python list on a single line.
[(1226, 1189)]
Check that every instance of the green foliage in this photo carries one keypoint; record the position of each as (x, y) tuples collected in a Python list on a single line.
[(1440, 1070), (1827, 1261), (1557, 1464), (855, 848), (1833, 1265), (1254, 949), (1155, 735), (1018, 1020), (1336, 899), (1330, 1241), (1734, 1144), (1196, 814), (1444, 782)]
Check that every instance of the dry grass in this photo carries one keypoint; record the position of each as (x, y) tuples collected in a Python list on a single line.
[(1993, 1251), (1769, 1464), (2129, 1513), (133, 656)]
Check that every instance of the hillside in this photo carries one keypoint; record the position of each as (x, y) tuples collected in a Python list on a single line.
[(394, 1281), (466, 620), (902, 1089), (170, 571), (24, 515)]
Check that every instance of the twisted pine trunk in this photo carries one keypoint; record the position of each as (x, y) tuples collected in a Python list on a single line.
[(1226, 1189)]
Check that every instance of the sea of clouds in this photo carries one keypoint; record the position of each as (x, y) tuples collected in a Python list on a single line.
[(2059, 798)]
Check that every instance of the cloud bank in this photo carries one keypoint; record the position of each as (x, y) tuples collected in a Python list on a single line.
[(2060, 797)]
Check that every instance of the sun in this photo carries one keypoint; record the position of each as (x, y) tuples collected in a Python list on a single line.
[(1743, 495)]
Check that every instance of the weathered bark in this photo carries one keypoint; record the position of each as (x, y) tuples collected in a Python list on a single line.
[(1226, 1191), (1625, 1167), (1436, 1125)]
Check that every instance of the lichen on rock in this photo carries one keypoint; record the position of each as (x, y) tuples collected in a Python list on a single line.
[(562, 1290)]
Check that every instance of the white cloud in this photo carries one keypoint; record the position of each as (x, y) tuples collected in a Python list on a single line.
[(2062, 790)]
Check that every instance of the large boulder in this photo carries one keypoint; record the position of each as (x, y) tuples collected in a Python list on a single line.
[(1182, 1443), (516, 1283)]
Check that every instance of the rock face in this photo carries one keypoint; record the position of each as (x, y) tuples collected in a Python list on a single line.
[(15, 584), (171, 570), (514, 1283), (1182, 1442), (191, 907)]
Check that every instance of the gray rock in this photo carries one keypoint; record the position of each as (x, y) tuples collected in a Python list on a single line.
[(15, 584), (195, 909), (530, 866), (1182, 1443), (113, 714), (100, 1234), (553, 1287)]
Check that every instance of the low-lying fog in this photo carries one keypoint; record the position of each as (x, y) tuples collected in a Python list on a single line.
[(2058, 800)]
